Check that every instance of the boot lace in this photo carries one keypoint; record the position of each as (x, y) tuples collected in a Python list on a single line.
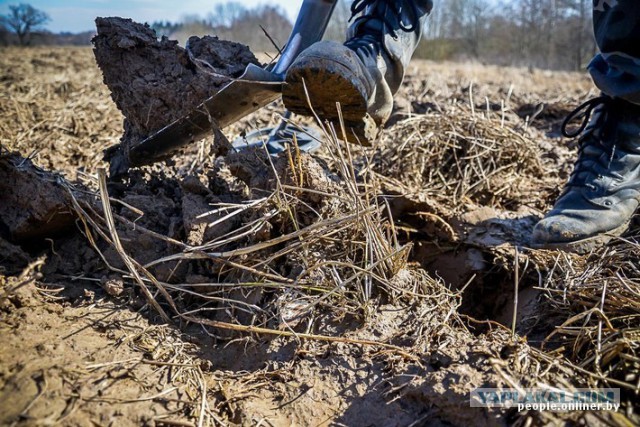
[(594, 141), (398, 7)]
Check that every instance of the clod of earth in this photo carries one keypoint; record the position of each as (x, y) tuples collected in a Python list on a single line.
[(33, 204), (155, 82)]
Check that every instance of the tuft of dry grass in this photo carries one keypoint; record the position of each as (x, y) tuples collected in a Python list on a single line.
[(460, 155), (342, 258), (601, 312)]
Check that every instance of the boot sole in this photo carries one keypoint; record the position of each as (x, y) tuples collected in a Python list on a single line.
[(328, 82), (585, 245)]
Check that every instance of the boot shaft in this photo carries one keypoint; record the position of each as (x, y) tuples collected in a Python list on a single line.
[(391, 28)]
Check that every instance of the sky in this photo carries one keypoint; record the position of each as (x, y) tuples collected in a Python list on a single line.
[(78, 15)]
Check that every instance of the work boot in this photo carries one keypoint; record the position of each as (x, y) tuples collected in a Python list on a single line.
[(603, 191), (364, 73)]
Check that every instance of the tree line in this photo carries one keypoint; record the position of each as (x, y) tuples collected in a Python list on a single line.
[(551, 34), (264, 28)]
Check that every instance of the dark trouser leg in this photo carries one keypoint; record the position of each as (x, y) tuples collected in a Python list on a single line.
[(616, 70)]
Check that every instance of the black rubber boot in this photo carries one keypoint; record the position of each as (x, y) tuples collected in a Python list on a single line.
[(364, 73), (604, 189)]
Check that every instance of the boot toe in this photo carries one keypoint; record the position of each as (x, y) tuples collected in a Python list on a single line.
[(323, 75), (571, 234), (559, 229), (327, 74)]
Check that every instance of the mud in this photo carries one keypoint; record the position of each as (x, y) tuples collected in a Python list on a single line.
[(34, 208), (33, 203), (12, 258), (354, 386), (154, 82), (184, 209)]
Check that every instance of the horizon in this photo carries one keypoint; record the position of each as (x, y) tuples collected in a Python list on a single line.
[(73, 16)]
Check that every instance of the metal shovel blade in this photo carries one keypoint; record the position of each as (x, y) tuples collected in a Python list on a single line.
[(253, 90)]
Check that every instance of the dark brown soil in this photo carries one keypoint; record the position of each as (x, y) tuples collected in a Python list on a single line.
[(33, 204), (154, 82), (182, 208), (33, 207)]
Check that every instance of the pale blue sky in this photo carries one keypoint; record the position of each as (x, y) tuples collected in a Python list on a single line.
[(77, 16)]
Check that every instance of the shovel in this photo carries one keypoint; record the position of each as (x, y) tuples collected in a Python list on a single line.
[(254, 89)]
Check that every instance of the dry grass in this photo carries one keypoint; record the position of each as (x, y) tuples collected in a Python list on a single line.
[(315, 244), (600, 304), (460, 155), (61, 108), (346, 255)]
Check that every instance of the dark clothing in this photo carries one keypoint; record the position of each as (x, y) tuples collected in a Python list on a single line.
[(616, 69)]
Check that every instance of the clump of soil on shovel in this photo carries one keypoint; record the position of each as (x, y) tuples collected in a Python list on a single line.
[(154, 81)]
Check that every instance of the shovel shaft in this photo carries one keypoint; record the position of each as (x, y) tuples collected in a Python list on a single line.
[(309, 28)]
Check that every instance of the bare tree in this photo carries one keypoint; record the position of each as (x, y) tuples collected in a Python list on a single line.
[(259, 26), (465, 21), (23, 19), (4, 34), (580, 37), (553, 33), (226, 14), (337, 28)]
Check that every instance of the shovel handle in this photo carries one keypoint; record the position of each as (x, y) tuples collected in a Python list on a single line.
[(309, 28)]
